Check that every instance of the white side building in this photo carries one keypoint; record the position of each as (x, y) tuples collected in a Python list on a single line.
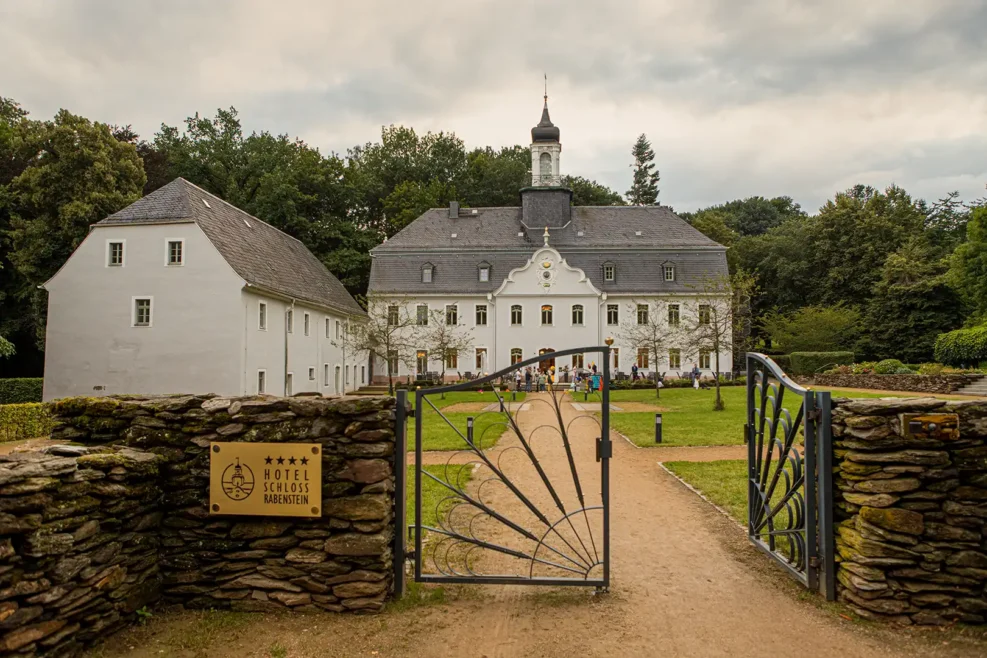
[(548, 276), (182, 292)]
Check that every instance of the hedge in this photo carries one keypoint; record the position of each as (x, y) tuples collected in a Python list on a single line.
[(962, 347), (809, 363), (18, 391), (24, 421), (784, 361)]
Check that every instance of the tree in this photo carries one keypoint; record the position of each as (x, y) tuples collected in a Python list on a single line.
[(709, 324), (444, 336), (743, 287), (385, 334), (912, 304), (78, 174), (644, 191), (587, 192), (648, 330), (813, 328), (968, 266)]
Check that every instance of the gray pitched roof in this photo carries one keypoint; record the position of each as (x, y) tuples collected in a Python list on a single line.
[(259, 253), (596, 236)]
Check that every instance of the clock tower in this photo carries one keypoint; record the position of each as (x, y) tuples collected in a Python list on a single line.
[(545, 151)]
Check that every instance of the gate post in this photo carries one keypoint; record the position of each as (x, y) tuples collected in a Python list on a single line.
[(824, 464), (400, 490)]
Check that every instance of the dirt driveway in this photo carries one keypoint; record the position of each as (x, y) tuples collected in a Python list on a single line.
[(685, 582)]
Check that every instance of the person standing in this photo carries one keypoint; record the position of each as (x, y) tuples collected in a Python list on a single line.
[(696, 373), (527, 379), (634, 372)]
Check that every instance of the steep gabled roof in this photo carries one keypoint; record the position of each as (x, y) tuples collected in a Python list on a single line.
[(259, 253)]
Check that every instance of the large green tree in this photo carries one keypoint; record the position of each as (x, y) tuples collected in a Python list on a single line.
[(78, 173), (968, 269), (644, 190)]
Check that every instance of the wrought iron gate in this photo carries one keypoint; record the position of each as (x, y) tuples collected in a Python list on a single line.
[(790, 486), (490, 525)]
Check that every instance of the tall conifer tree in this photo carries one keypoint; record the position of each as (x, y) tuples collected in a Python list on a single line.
[(644, 191)]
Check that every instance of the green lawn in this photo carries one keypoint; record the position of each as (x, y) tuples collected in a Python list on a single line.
[(457, 397), (688, 418), (434, 493), (723, 482), (441, 435)]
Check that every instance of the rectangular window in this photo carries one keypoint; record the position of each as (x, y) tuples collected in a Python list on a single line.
[(114, 253), (422, 315), (704, 314), (642, 357), (516, 315), (392, 362), (347, 379), (290, 321), (325, 374), (516, 355), (674, 359), (306, 322), (452, 359), (577, 361), (422, 362), (669, 273), (642, 314), (142, 312), (289, 382), (481, 315), (546, 315), (608, 272), (484, 274), (427, 275), (311, 374), (673, 315), (337, 329), (616, 358), (328, 335), (363, 374), (613, 315), (261, 382), (577, 314), (452, 314), (704, 359), (262, 316), (175, 254), (481, 358), (392, 316)]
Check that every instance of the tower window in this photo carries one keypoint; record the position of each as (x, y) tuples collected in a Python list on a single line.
[(545, 166)]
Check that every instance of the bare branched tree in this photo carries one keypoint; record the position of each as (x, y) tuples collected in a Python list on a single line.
[(444, 336), (648, 329), (708, 325), (387, 334)]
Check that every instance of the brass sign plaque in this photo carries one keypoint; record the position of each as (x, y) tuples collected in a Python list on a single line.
[(265, 479)]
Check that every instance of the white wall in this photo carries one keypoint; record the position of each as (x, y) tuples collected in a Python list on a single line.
[(196, 324)]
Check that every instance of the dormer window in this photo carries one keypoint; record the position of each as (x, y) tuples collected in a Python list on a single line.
[(427, 273), (484, 272), (609, 272), (669, 273)]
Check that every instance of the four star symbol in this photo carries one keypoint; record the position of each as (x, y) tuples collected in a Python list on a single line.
[(291, 460)]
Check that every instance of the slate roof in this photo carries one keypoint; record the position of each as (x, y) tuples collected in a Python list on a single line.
[(259, 253), (596, 236)]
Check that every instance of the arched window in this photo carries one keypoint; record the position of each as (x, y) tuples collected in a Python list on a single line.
[(516, 315), (546, 314), (577, 314), (545, 165), (516, 355)]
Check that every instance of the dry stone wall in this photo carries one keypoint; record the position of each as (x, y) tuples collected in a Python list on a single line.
[(93, 531), (913, 383), (911, 511)]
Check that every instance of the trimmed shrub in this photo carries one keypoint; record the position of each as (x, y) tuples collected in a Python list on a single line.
[(810, 363), (889, 367), (24, 421), (962, 347), (18, 391), (784, 361)]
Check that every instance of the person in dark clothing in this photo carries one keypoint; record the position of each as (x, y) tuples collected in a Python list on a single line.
[(527, 380)]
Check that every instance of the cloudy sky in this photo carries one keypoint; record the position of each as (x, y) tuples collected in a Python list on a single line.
[(739, 98)]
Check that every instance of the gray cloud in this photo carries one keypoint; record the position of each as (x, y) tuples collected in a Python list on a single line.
[(740, 98)]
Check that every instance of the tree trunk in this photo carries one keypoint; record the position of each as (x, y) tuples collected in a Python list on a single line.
[(718, 406)]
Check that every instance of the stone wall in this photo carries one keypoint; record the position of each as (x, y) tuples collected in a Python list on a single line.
[(914, 383), (151, 535), (78, 545), (911, 511)]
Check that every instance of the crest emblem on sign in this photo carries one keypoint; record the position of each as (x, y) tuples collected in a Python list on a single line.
[(238, 481)]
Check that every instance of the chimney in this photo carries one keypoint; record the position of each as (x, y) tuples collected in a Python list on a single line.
[(453, 209)]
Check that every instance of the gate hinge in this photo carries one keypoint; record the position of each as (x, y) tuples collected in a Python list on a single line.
[(815, 414), (814, 562), (603, 450)]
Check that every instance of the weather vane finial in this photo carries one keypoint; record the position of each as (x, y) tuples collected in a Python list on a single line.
[(545, 235), (546, 87)]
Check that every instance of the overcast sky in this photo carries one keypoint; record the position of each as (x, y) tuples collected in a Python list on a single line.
[(738, 97)]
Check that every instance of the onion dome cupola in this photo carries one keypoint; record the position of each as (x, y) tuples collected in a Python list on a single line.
[(545, 150), (545, 131)]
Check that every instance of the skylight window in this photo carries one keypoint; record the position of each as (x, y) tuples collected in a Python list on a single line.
[(579, 234), (637, 233), (206, 203), (455, 235)]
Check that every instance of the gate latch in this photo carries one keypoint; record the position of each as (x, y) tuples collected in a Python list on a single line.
[(603, 451)]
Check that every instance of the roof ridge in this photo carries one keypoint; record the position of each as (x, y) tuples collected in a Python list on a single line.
[(241, 211)]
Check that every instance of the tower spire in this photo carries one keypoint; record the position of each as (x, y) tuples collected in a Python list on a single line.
[(546, 90)]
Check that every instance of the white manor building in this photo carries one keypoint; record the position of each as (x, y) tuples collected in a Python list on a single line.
[(181, 292), (547, 276)]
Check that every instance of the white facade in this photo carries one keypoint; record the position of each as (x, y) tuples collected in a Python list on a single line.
[(125, 317), (547, 281)]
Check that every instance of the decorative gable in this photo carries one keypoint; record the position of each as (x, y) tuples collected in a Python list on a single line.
[(547, 273)]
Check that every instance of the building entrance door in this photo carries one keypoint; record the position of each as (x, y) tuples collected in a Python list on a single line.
[(547, 363)]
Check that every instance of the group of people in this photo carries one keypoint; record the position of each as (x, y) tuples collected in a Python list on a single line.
[(537, 380), (695, 376)]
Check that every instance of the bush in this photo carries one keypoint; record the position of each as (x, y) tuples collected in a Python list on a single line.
[(809, 363), (24, 421), (962, 347), (784, 361), (18, 391), (889, 367)]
